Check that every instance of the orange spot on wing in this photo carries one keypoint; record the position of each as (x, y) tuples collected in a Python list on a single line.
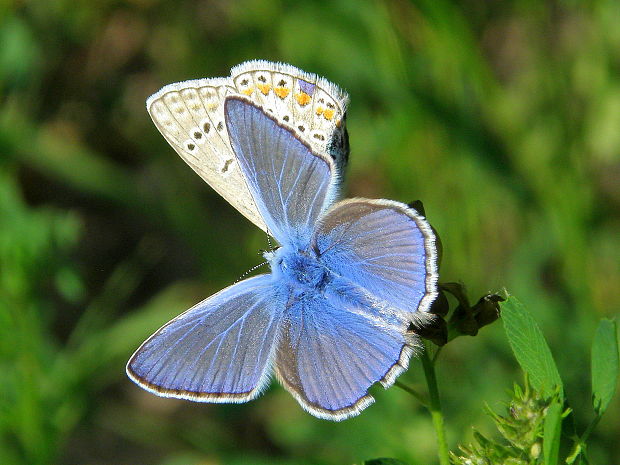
[(281, 92), (264, 88), (328, 114), (303, 99), (248, 91), (339, 123), (319, 110)]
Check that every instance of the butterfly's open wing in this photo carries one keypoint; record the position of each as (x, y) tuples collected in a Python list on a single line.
[(331, 350), (384, 247), (290, 183), (220, 350)]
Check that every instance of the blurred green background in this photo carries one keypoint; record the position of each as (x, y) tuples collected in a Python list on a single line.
[(503, 117)]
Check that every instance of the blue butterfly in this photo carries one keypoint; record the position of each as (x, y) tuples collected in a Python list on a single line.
[(332, 316)]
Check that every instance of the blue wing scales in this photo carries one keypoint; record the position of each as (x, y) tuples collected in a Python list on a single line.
[(291, 185), (331, 350), (384, 247), (220, 350)]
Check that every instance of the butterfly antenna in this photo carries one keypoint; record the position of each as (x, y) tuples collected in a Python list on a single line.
[(254, 268), (271, 249)]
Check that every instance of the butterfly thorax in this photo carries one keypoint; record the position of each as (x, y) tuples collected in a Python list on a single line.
[(299, 267)]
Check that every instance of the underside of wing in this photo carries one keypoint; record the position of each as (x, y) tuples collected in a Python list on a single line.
[(190, 115), (307, 103), (220, 350)]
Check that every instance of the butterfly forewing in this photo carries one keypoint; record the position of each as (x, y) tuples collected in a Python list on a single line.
[(190, 116), (290, 184), (218, 351)]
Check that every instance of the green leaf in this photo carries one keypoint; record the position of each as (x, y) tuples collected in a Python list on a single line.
[(604, 365), (384, 461), (552, 433), (530, 348)]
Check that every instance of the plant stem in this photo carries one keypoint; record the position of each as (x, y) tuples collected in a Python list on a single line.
[(408, 389), (580, 442), (437, 352), (591, 426), (435, 406)]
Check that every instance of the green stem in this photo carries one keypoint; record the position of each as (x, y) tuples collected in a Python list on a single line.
[(591, 426), (580, 442), (413, 392), (435, 407), (437, 352)]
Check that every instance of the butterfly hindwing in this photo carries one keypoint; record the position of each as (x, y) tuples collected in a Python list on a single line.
[(383, 246), (332, 349), (307, 103), (220, 350), (352, 331)]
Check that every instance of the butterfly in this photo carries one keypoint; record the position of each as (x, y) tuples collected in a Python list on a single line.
[(349, 277)]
